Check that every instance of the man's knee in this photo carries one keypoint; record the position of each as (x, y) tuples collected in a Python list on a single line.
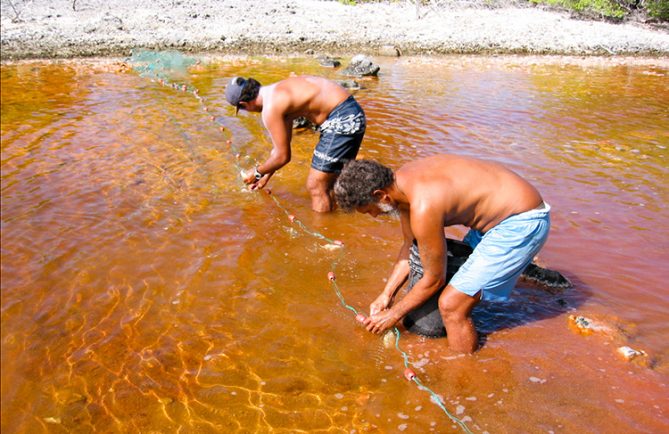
[(449, 308), (320, 183), (316, 186), (455, 305)]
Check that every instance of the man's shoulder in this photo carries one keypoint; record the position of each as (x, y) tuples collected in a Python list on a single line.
[(416, 178), (277, 98), (424, 194), (289, 84)]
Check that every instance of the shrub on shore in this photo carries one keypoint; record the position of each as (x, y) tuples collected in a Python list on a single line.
[(617, 10), (614, 9), (658, 9)]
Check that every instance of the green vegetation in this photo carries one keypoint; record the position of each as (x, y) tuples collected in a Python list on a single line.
[(614, 9), (658, 9), (605, 8)]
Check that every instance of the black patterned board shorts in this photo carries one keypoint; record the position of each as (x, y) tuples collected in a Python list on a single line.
[(341, 136)]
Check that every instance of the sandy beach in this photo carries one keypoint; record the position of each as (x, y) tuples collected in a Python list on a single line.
[(52, 29)]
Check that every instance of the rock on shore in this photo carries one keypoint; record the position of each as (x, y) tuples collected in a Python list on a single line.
[(52, 29)]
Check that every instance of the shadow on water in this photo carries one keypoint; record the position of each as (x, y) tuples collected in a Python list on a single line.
[(528, 303)]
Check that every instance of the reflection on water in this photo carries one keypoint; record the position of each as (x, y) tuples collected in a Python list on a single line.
[(144, 290)]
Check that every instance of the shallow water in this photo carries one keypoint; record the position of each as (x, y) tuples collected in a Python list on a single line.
[(145, 290)]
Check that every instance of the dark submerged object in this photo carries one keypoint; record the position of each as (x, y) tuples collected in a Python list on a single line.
[(303, 122), (350, 84), (426, 320), (329, 62)]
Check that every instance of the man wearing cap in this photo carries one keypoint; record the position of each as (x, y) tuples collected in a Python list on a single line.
[(340, 118), (506, 215)]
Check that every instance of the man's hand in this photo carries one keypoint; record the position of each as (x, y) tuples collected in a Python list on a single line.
[(248, 176), (381, 303), (381, 321)]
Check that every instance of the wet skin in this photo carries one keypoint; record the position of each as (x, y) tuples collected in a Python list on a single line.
[(281, 103), (430, 194)]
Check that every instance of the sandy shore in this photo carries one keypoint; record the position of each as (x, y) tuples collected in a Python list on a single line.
[(52, 29)]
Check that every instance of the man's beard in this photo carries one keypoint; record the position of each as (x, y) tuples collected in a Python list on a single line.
[(389, 210)]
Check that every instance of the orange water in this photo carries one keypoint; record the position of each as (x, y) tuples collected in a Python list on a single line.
[(144, 290)]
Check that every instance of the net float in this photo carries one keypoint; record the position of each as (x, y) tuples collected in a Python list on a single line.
[(331, 276), (409, 374), (291, 218), (360, 317), (338, 242)]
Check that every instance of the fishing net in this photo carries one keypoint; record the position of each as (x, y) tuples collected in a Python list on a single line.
[(166, 65), (169, 68)]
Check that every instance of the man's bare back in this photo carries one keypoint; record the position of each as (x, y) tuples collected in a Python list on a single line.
[(303, 96), (465, 191)]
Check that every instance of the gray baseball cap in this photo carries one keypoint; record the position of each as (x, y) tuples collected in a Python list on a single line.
[(233, 91)]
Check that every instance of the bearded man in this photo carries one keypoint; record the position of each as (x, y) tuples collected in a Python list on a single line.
[(508, 224)]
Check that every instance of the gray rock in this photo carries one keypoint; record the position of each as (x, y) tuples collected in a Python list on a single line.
[(361, 66)]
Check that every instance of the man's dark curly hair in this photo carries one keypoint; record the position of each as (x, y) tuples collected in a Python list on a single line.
[(250, 91), (358, 180)]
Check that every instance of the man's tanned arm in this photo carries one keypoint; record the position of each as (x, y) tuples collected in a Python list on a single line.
[(427, 227), (281, 131), (400, 270)]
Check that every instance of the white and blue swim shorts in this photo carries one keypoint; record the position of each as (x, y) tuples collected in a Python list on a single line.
[(502, 253)]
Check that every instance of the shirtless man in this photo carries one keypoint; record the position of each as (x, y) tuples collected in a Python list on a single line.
[(325, 103), (507, 218)]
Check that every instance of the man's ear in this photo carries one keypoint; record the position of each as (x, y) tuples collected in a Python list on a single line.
[(380, 195)]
